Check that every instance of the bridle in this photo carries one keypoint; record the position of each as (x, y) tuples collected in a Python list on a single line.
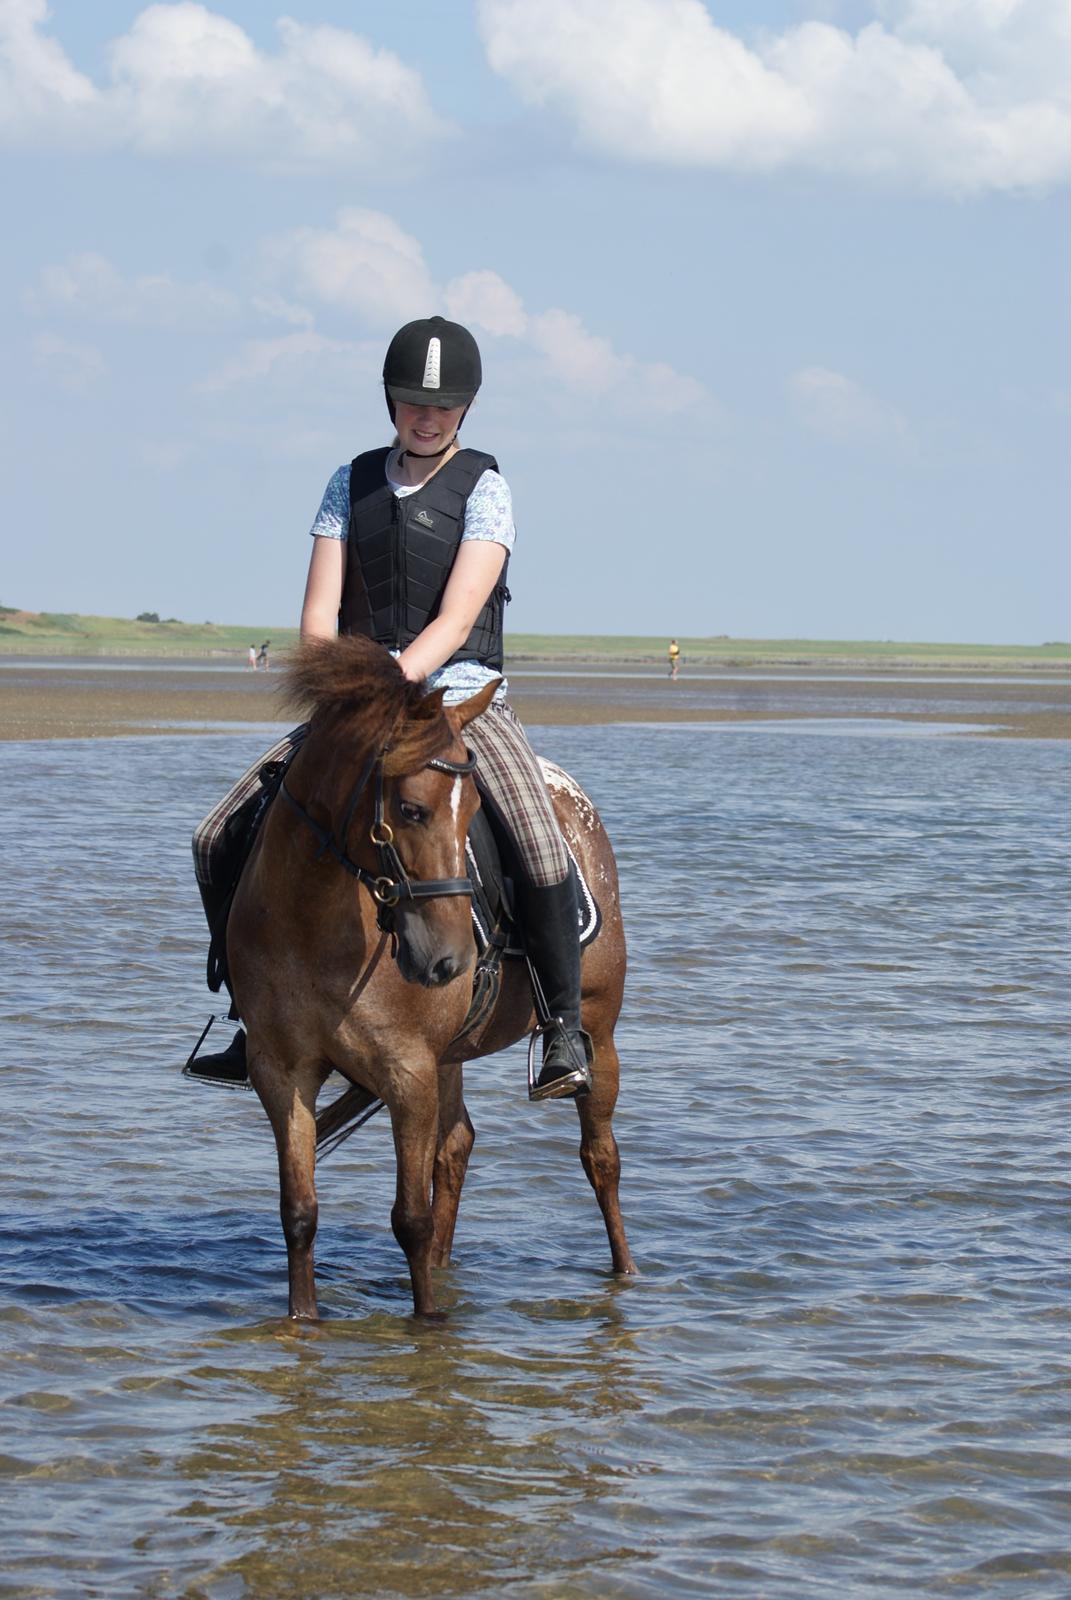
[(392, 884)]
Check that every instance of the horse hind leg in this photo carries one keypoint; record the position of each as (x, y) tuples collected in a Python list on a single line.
[(290, 1101), (599, 1154), (456, 1139)]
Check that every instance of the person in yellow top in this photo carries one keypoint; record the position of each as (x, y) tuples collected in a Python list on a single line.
[(674, 658)]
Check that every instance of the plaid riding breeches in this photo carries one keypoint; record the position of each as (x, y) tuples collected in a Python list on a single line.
[(509, 772)]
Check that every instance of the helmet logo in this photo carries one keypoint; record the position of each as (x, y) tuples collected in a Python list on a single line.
[(432, 365)]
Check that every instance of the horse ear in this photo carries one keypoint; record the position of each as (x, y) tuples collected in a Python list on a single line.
[(432, 704), (469, 710)]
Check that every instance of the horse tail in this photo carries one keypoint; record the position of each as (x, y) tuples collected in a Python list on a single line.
[(344, 1116)]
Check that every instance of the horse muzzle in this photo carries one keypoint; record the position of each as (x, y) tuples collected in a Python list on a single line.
[(428, 959)]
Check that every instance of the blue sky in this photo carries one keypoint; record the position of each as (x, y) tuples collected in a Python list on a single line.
[(772, 299)]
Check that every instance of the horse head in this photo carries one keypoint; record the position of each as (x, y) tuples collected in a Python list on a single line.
[(390, 768), (427, 810)]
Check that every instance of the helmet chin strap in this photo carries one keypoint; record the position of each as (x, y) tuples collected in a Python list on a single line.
[(430, 455)]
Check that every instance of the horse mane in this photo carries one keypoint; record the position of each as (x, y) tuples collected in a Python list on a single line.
[(353, 689)]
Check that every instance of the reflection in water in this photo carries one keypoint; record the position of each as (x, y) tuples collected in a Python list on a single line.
[(426, 1464), (844, 1369)]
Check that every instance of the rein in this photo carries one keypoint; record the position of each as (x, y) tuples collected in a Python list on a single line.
[(392, 883)]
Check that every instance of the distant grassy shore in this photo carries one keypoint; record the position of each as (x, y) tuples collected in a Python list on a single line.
[(50, 633)]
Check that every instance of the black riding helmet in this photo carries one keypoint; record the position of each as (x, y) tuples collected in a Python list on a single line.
[(432, 362)]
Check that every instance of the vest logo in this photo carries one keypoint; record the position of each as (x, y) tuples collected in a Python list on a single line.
[(422, 517), (432, 365)]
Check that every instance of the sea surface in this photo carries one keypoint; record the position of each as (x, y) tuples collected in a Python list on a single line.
[(846, 1367)]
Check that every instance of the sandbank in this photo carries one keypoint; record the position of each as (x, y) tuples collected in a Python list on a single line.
[(70, 699)]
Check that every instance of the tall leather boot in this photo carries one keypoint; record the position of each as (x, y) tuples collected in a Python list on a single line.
[(226, 1069), (230, 852), (550, 925)]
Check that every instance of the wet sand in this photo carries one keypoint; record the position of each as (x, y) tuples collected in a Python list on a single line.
[(79, 700)]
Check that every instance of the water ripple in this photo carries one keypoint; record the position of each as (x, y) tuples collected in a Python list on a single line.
[(845, 1368)]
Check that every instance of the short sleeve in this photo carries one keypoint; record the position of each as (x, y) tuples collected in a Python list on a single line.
[(333, 518), (489, 512)]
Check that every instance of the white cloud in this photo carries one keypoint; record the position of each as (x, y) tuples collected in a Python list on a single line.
[(584, 361), (588, 364), (185, 79), (485, 302), (960, 95), (976, 30), (365, 269), (1009, 50), (262, 359), (368, 270), (368, 267), (75, 367), (38, 85), (366, 264), (90, 285), (659, 387), (836, 407), (277, 309), (645, 78)]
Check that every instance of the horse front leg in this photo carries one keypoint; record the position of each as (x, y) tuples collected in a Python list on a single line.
[(415, 1120), (599, 1154), (290, 1101), (456, 1139)]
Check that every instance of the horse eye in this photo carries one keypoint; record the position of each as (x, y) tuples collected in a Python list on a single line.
[(412, 813)]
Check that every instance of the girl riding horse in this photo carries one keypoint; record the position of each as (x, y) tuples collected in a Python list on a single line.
[(410, 548)]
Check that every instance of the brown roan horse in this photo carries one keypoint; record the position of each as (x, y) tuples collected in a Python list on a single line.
[(322, 986)]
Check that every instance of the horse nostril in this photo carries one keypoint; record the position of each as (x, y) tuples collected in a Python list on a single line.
[(444, 971)]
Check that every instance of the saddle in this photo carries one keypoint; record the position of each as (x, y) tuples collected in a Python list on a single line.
[(238, 838), (491, 856)]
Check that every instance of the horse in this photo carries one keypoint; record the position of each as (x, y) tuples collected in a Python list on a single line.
[(350, 946)]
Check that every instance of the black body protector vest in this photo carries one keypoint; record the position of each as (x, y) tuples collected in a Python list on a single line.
[(399, 553)]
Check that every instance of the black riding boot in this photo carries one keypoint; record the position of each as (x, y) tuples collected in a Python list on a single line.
[(550, 924), (226, 1068)]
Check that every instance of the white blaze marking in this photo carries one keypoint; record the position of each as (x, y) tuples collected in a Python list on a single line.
[(432, 365), (455, 810)]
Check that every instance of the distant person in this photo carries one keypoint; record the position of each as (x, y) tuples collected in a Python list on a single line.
[(674, 658), (253, 656), (262, 658), (437, 606)]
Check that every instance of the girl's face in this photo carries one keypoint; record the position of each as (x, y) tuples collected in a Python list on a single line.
[(425, 430)]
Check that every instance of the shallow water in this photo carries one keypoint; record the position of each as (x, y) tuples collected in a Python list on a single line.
[(846, 1368)]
